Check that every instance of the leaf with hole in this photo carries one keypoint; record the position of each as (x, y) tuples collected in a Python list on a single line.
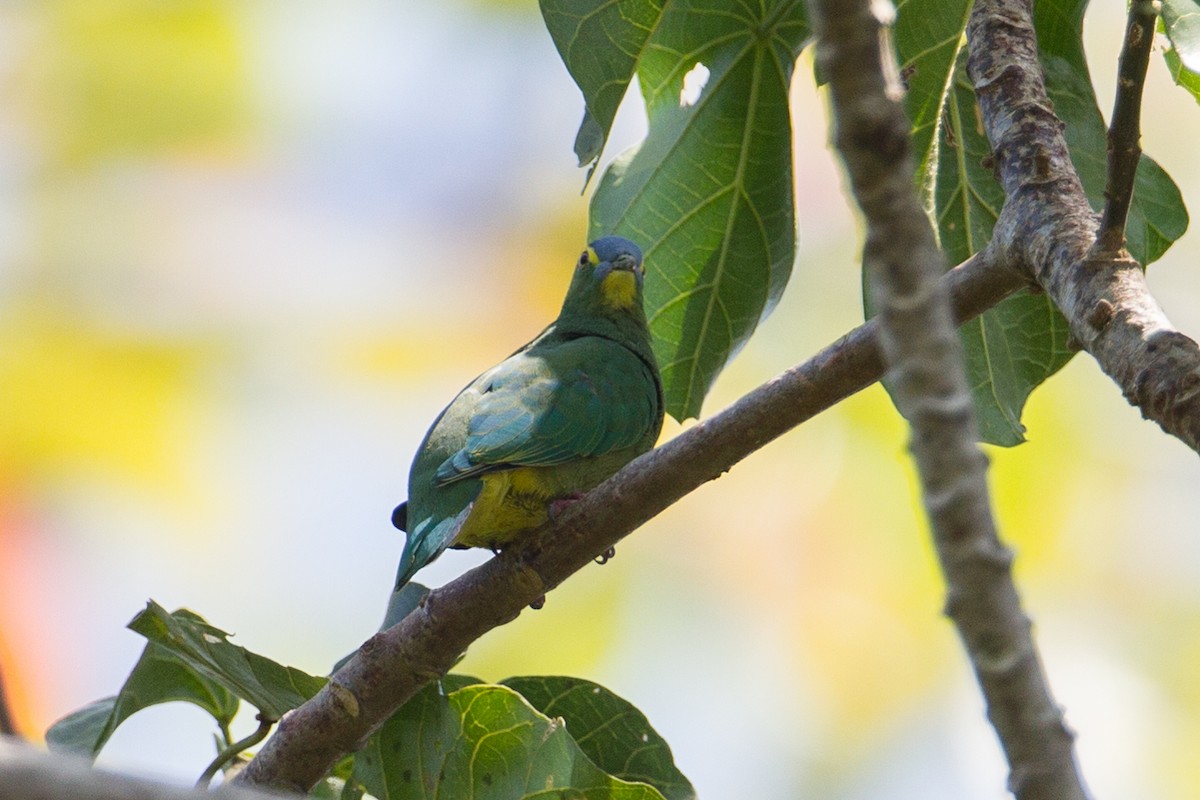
[(708, 193)]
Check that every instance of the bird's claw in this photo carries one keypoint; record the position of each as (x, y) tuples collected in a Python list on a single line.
[(605, 557)]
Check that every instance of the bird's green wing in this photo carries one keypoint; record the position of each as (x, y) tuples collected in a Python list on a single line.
[(568, 400)]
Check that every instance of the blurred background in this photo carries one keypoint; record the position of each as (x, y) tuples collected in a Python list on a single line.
[(249, 250)]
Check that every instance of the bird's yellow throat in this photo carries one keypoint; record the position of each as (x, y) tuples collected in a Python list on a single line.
[(619, 288)]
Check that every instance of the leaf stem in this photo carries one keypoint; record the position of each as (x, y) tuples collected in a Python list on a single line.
[(232, 750), (1124, 132)]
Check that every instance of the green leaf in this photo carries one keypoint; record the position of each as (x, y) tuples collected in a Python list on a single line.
[(611, 732), (485, 742), (269, 686), (600, 43), (1182, 76), (1181, 21), (708, 194), (928, 36), (158, 677)]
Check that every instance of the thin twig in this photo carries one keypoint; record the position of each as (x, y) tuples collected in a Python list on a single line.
[(231, 751), (1125, 131), (1047, 228), (925, 362), (390, 667)]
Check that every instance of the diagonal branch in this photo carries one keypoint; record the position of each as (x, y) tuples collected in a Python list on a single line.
[(925, 362), (390, 667), (1125, 130), (1048, 229)]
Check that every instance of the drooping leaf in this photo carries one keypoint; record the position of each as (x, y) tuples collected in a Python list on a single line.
[(928, 36), (600, 43), (610, 731), (486, 742), (1181, 22), (267, 685), (708, 194), (158, 677)]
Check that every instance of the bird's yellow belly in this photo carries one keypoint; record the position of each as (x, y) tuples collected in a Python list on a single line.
[(512, 502)]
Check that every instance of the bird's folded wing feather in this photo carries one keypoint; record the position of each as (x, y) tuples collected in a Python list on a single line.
[(578, 399)]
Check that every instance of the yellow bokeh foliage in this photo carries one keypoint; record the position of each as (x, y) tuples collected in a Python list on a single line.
[(119, 77)]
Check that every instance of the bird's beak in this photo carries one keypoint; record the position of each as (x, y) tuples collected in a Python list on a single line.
[(625, 262)]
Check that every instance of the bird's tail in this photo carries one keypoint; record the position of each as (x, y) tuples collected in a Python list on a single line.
[(426, 541)]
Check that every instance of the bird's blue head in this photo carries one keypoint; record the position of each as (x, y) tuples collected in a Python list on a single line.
[(616, 266), (605, 296)]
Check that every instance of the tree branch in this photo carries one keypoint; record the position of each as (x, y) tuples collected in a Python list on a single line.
[(1125, 131), (392, 665), (28, 774), (925, 362), (1048, 229)]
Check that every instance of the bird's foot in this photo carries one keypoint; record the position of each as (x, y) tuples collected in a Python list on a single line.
[(605, 557), (537, 604), (556, 507)]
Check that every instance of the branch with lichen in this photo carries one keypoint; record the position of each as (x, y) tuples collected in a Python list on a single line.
[(1048, 230), (925, 363)]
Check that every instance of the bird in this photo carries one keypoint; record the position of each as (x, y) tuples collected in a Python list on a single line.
[(546, 424)]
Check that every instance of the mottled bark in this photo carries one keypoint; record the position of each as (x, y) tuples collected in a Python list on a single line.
[(1048, 229)]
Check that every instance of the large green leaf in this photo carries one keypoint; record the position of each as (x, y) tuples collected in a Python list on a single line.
[(158, 677), (708, 194), (485, 742), (267, 685), (1181, 22), (600, 42), (610, 731)]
